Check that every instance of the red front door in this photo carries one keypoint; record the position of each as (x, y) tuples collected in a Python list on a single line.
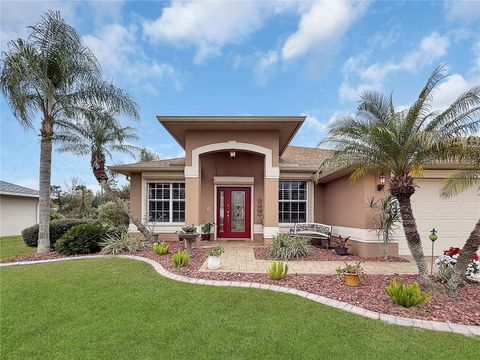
[(233, 212)]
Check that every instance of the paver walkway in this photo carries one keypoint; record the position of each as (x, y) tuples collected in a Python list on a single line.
[(239, 257)]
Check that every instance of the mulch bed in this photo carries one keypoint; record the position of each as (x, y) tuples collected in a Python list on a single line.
[(320, 254), (36, 257), (464, 308)]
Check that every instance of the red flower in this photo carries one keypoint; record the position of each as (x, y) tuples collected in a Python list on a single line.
[(452, 251), (475, 257)]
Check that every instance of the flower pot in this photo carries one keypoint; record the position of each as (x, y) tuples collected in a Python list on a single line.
[(352, 279), (206, 237), (213, 262), (341, 250)]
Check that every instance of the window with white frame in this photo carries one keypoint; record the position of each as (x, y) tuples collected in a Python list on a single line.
[(166, 202), (292, 205)]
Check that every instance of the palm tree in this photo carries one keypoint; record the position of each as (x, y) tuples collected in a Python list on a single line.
[(53, 74), (379, 139), (147, 155), (97, 133), (468, 151)]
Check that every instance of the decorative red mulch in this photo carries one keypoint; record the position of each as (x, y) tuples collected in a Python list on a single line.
[(36, 257), (320, 254), (463, 308)]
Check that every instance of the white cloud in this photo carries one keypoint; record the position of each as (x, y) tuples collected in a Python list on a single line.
[(431, 47), (118, 51), (209, 25), (449, 90), (462, 11), (322, 26), (264, 67)]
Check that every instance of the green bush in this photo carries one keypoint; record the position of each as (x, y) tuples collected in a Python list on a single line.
[(407, 295), (285, 247), (161, 248), (81, 239), (110, 215), (180, 259), (55, 215), (278, 270), (216, 251), (116, 243), (57, 229)]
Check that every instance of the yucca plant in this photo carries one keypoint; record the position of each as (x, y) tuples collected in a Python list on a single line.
[(407, 295), (180, 259), (161, 248), (277, 270), (118, 243), (285, 247)]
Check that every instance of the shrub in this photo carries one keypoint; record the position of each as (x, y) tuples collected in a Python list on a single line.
[(57, 229), (180, 259), (81, 239), (356, 269), (120, 242), (55, 215), (278, 270), (110, 215), (447, 261), (216, 251), (286, 247), (407, 295), (161, 248)]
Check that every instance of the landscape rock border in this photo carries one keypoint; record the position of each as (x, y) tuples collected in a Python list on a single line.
[(397, 320)]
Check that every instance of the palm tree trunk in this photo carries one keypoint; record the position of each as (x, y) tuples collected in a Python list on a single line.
[(140, 226), (44, 200), (468, 251), (413, 238)]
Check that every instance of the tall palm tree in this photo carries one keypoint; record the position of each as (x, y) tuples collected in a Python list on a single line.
[(97, 133), (466, 150), (52, 74), (379, 139)]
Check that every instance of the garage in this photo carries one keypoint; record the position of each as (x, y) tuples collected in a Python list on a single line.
[(453, 218)]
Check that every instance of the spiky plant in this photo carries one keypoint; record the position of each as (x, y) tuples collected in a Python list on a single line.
[(277, 270)]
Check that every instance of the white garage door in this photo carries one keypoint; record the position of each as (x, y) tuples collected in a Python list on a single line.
[(453, 218)]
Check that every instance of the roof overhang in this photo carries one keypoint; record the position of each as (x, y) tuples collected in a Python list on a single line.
[(287, 126), (18, 194)]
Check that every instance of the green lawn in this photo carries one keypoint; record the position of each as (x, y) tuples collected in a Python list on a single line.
[(122, 309), (13, 246)]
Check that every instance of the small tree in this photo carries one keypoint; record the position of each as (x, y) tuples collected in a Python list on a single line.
[(386, 219)]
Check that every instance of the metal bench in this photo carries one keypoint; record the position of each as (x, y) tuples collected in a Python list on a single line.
[(314, 231)]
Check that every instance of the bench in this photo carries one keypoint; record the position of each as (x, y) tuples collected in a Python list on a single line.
[(314, 231)]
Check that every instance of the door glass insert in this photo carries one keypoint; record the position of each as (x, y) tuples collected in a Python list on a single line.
[(238, 211), (221, 212)]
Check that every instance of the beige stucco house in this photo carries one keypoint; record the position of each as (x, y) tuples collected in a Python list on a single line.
[(18, 208), (240, 173)]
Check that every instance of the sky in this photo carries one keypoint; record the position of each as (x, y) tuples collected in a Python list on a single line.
[(309, 58)]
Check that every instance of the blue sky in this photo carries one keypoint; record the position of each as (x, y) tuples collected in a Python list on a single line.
[(249, 58)]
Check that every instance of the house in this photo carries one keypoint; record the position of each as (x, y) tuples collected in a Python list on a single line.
[(18, 208), (241, 173)]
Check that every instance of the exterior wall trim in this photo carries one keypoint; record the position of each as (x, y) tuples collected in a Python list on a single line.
[(357, 234), (229, 180), (193, 171), (270, 231)]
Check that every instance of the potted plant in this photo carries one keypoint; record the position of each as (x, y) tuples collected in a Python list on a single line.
[(213, 260), (342, 248), (189, 229), (207, 231), (351, 273)]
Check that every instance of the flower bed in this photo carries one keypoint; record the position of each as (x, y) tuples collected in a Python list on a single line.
[(320, 254)]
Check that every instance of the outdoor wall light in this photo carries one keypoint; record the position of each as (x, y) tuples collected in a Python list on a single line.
[(233, 154), (381, 182)]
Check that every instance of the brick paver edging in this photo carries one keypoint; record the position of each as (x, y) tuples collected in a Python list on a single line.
[(403, 321)]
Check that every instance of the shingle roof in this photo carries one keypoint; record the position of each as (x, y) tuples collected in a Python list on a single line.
[(13, 189), (304, 156), (293, 155)]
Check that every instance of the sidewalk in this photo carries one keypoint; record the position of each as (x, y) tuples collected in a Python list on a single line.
[(239, 257)]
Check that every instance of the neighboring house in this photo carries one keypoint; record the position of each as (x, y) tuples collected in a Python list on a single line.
[(240, 173), (18, 208)]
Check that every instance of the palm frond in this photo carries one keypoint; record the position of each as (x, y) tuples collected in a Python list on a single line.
[(459, 182)]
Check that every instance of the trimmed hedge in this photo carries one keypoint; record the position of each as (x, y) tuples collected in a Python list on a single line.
[(57, 229), (81, 239)]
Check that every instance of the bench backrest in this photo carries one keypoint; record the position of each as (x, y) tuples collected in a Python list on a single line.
[(312, 228)]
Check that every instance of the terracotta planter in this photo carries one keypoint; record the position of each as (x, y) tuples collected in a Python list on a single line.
[(352, 279), (206, 237)]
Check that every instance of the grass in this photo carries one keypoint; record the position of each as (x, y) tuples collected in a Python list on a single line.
[(13, 246), (122, 309)]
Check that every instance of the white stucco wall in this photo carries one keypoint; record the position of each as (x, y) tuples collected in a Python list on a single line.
[(17, 213)]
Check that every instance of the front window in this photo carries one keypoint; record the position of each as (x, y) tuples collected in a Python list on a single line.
[(292, 205), (166, 202)]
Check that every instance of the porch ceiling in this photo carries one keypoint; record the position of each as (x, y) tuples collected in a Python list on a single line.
[(286, 126)]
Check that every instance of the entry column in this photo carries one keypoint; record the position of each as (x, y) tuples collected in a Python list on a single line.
[(192, 200), (270, 222)]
